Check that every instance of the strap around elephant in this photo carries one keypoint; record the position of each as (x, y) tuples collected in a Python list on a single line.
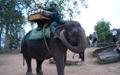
[(45, 39)]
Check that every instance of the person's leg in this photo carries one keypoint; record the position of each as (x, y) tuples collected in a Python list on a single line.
[(118, 51), (80, 56), (90, 42), (61, 21), (73, 55), (114, 39), (95, 42), (52, 26), (83, 56), (47, 15)]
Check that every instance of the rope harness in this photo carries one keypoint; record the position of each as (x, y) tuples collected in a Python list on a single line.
[(45, 38)]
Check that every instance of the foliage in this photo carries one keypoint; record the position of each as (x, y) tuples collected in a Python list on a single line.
[(87, 37), (12, 20), (2, 49), (103, 30), (70, 8), (16, 34)]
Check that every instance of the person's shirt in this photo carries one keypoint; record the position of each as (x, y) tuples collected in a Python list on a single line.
[(95, 35), (56, 16), (90, 37), (114, 32)]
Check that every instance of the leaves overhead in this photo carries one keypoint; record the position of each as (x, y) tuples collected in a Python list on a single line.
[(70, 8)]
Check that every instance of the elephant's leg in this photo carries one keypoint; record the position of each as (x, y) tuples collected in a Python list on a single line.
[(65, 56), (29, 68), (60, 63), (39, 67)]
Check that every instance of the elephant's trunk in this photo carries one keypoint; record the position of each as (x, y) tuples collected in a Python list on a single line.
[(81, 45)]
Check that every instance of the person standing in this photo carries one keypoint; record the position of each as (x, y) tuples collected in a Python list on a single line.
[(95, 38), (114, 33)]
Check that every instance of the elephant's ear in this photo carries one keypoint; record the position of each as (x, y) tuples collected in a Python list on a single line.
[(57, 31)]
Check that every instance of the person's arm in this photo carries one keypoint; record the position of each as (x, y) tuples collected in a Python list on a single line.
[(42, 7), (116, 33), (50, 13)]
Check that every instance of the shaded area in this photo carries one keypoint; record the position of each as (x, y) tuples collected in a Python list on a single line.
[(68, 62)]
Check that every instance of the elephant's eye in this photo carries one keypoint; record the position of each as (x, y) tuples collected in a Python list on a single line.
[(70, 34)]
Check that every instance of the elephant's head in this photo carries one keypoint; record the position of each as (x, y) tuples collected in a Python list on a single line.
[(72, 35)]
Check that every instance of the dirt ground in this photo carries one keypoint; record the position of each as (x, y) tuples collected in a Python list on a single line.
[(12, 64)]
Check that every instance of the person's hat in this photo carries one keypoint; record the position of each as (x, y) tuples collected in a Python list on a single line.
[(53, 3)]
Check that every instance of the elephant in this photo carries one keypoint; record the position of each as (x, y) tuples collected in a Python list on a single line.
[(67, 36)]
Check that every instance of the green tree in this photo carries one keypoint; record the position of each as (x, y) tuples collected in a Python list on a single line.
[(15, 36), (10, 10), (103, 30)]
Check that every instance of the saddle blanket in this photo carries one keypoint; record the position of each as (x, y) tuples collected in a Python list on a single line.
[(38, 34)]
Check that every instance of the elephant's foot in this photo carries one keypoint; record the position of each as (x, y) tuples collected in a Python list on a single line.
[(39, 72), (29, 73)]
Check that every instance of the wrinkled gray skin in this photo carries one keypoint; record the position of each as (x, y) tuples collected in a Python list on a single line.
[(69, 36)]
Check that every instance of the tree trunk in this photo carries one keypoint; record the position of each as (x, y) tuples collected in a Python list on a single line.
[(6, 48), (0, 37)]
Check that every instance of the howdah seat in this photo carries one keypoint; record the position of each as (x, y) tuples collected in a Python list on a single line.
[(35, 15)]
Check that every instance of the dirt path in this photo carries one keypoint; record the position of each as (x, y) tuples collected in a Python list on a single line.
[(11, 64)]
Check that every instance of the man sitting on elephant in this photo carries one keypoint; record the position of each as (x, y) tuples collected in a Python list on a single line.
[(54, 15)]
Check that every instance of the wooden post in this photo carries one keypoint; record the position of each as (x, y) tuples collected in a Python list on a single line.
[(40, 14), (28, 15)]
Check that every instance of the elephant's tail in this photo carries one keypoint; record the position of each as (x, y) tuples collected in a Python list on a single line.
[(23, 61)]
